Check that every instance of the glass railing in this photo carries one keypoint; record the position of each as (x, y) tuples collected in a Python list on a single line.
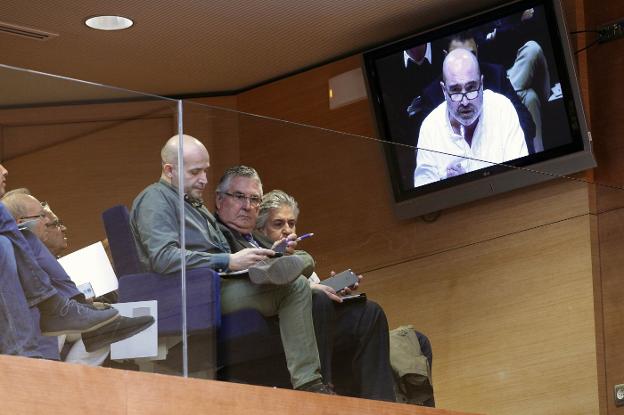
[(505, 286)]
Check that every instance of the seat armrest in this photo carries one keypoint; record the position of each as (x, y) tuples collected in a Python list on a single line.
[(203, 298)]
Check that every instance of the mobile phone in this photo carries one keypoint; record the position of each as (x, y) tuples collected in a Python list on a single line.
[(354, 297), (341, 281), (281, 247)]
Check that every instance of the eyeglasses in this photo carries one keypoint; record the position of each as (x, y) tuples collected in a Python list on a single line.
[(459, 96), (241, 198), (34, 217), (55, 224)]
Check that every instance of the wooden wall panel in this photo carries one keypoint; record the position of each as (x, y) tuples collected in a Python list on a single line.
[(605, 64), (611, 231), (511, 320)]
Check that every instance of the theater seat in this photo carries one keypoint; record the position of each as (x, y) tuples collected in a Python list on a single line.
[(243, 337)]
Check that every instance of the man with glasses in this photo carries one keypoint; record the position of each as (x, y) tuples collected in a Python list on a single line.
[(494, 78), (472, 129), (37, 217), (37, 226), (154, 220), (25, 288), (56, 238)]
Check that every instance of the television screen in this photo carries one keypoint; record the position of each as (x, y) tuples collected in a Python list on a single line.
[(478, 106)]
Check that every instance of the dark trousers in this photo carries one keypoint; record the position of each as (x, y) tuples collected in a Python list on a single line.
[(352, 340)]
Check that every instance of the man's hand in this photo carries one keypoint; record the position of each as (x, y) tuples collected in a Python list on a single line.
[(290, 241), (329, 291), (527, 15), (337, 296), (247, 257), (454, 169)]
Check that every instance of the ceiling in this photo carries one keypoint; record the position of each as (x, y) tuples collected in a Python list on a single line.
[(184, 47)]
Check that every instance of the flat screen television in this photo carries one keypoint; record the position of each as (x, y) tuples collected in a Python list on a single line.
[(461, 135)]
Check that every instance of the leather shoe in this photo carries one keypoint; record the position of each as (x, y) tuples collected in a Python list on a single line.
[(277, 271), (70, 317), (118, 330), (318, 387)]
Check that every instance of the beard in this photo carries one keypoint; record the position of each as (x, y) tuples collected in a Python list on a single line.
[(466, 115)]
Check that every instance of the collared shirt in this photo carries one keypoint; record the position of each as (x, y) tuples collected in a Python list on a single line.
[(496, 139), (154, 220), (407, 58)]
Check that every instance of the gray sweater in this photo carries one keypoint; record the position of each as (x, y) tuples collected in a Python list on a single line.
[(154, 220)]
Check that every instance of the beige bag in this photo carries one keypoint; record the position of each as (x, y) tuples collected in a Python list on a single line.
[(411, 368)]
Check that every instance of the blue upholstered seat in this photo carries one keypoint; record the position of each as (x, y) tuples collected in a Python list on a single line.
[(243, 336)]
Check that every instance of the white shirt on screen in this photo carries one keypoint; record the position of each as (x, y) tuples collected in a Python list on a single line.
[(497, 138)]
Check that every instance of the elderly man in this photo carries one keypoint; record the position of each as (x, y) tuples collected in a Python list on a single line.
[(55, 235), (30, 214), (155, 224), (33, 219), (357, 331), (24, 284), (473, 129), (56, 240)]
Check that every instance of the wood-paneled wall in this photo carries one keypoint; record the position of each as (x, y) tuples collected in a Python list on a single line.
[(520, 294), (605, 68)]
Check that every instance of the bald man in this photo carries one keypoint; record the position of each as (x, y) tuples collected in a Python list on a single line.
[(155, 224), (472, 129)]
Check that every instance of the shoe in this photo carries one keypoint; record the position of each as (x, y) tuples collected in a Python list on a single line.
[(318, 387), (118, 330), (277, 271), (71, 317)]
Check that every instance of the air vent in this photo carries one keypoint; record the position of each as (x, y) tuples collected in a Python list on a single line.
[(27, 32)]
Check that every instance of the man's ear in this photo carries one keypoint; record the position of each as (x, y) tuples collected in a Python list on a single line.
[(218, 201), (168, 169)]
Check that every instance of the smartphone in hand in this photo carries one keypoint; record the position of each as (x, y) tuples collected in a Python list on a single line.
[(281, 247), (341, 281)]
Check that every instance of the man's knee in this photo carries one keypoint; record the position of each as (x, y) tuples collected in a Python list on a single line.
[(531, 50), (378, 314), (300, 285)]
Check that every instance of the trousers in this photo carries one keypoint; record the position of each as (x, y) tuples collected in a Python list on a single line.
[(23, 285), (353, 344), (529, 77), (292, 304)]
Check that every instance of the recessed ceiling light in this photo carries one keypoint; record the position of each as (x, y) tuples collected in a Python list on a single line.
[(109, 22)]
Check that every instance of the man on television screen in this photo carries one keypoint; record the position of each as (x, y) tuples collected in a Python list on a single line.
[(472, 129)]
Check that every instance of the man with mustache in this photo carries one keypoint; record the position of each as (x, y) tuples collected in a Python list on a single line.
[(472, 129)]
